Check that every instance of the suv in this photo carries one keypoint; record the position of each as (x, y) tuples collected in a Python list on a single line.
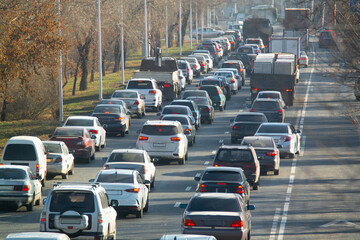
[(219, 81), (186, 69), (243, 157), (149, 90), (238, 65), (257, 41), (217, 96), (80, 210), (164, 139)]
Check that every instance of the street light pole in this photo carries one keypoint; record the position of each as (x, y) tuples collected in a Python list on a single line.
[(100, 58), (146, 34), (196, 24), (61, 117), (122, 45), (180, 33), (191, 23), (166, 30)]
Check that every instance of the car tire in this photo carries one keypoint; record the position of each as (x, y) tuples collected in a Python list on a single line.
[(64, 176), (122, 134), (30, 206), (38, 202), (144, 113), (276, 171), (139, 115), (256, 186), (152, 184), (263, 173), (98, 148), (146, 208), (221, 108), (291, 155), (87, 160), (72, 170), (43, 182), (190, 143), (140, 213), (181, 161), (92, 157)]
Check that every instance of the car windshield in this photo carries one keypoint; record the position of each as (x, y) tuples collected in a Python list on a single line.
[(182, 120), (200, 101), (12, 174), (126, 157), (124, 95), (249, 118), (225, 74), (52, 148), (266, 105), (107, 109), (115, 178), (268, 95), (80, 122), (159, 130), (79, 201), (255, 142), (175, 110), (222, 176), (68, 132), (273, 129), (214, 204), (234, 155), (139, 85), (20, 152)]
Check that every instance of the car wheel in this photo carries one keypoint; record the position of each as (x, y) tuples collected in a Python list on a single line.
[(122, 134), (221, 108), (146, 208), (276, 171), (140, 213), (190, 143), (263, 173), (92, 157), (291, 155), (30, 206), (43, 182), (181, 161), (38, 202), (98, 148), (72, 170), (152, 184), (143, 113), (139, 115), (64, 176)]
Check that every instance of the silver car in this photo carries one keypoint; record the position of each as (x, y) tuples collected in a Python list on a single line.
[(187, 124), (134, 101)]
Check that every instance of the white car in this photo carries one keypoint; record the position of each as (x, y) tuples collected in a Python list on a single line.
[(186, 237), (209, 60), (187, 70), (148, 88), (133, 159), (128, 188), (37, 236), (271, 95), (93, 125), (182, 80), (286, 137), (133, 99), (59, 160), (164, 140), (230, 78), (304, 60)]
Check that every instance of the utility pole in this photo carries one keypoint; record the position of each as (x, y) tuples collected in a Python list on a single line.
[(166, 30), (146, 34), (191, 23), (100, 58), (196, 23), (122, 45), (61, 117), (180, 33)]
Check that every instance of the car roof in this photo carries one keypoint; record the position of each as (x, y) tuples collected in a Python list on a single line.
[(275, 124), (258, 137), (15, 167), (270, 92), (235, 147), (175, 106), (216, 195), (186, 237), (79, 186), (175, 115), (159, 122), (182, 100), (71, 127), (53, 142), (82, 117), (26, 138), (37, 236), (224, 169), (127, 90), (128, 151), (108, 105), (142, 79)]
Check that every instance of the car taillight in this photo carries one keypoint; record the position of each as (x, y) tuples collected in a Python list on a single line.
[(238, 224), (142, 138), (152, 92), (195, 66), (37, 168), (279, 111), (22, 188), (58, 160), (82, 143), (133, 190), (254, 90), (273, 154), (202, 64), (189, 223), (202, 188), (214, 53), (166, 85), (136, 103), (94, 131), (187, 131), (240, 189), (175, 139), (100, 218), (241, 70), (232, 80), (289, 90), (223, 184), (235, 127), (205, 109), (252, 110), (287, 139), (143, 170), (118, 119), (188, 70), (106, 166), (261, 46)]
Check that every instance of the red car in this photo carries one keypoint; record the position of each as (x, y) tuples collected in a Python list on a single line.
[(78, 140)]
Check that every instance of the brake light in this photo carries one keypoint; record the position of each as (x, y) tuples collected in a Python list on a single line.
[(234, 127), (144, 170), (198, 87), (289, 90), (58, 160), (202, 64), (238, 224), (202, 188), (106, 166), (302, 58), (94, 131), (187, 131), (118, 119), (216, 165), (241, 70), (189, 223), (252, 110), (166, 85), (142, 138), (240, 189), (232, 80), (188, 70), (287, 139), (37, 168), (100, 218), (279, 111), (223, 184), (133, 190), (273, 154), (261, 46), (205, 109), (136, 103), (152, 92), (214, 53), (22, 188), (161, 116), (175, 139), (195, 66)]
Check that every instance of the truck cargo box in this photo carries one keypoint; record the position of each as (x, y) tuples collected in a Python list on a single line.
[(284, 67), (263, 67)]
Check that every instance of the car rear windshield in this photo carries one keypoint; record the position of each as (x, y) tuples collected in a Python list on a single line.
[(268, 95), (9, 174), (225, 74), (175, 110), (140, 85), (211, 48), (255, 142), (210, 82), (273, 129), (79, 201), (214, 204), (247, 50), (188, 104), (212, 91), (190, 60), (52, 148), (230, 65), (253, 41), (124, 95), (19, 152), (200, 100), (107, 109), (194, 93), (249, 118), (159, 130), (182, 65), (79, 122), (108, 101), (115, 178), (182, 120), (126, 157), (234, 155), (222, 176), (266, 105), (67, 132)]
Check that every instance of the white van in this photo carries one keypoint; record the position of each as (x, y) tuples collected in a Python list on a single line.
[(27, 151), (37, 236)]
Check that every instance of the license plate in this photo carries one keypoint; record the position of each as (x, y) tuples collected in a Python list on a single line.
[(159, 144), (71, 221)]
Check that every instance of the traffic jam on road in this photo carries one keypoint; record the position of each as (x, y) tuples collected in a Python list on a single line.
[(171, 106)]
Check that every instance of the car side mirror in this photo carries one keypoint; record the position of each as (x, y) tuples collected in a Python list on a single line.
[(92, 180), (154, 160), (251, 207), (197, 178), (93, 136), (285, 107), (183, 205), (142, 97), (104, 159), (114, 203), (50, 135), (279, 146), (298, 131), (146, 182), (128, 113), (44, 201)]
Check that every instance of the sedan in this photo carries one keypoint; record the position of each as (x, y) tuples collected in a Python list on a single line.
[(266, 151), (230, 78), (187, 124), (224, 179), (285, 136), (272, 95), (222, 215), (196, 93), (272, 108), (117, 102), (217, 96), (176, 109), (59, 160), (128, 187), (132, 159), (205, 107), (93, 125), (19, 187), (134, 101)]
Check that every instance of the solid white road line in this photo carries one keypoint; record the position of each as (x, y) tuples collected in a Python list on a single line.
[(275, 224)]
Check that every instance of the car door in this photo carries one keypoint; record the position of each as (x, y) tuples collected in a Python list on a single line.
[(222, 97), (69, 158), (35, 182), (144, 189), (149, 164), (101, 130)]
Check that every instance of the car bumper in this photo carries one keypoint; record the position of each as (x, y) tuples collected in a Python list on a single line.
[(219, 233), (267, 165), (56, 169), (114, 128), (165, 155), (15, 199), (80, 153)]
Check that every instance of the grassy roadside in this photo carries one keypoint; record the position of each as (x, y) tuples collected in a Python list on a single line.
[(83, 102)]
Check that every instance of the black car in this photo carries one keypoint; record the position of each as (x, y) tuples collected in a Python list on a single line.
[(219, 81), (272, 108), (224, 179), (205, 107), (246, 124), (193, 107), (222, 215)]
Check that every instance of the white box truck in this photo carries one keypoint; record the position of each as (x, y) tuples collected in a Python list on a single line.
[(285, 45)]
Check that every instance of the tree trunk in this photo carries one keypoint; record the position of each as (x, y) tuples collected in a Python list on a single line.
[(3, 110), (75, 77), (117, 56), (84, 60), (184, 23), (92, 74)]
